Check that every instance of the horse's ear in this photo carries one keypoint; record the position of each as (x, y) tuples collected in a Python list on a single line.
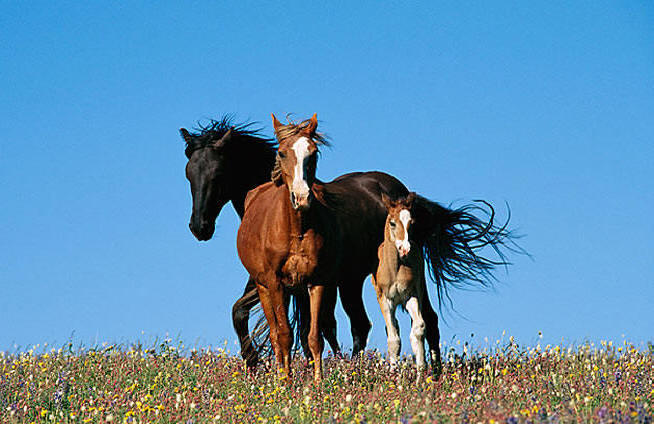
[(313, 124), (185, 135), (386, 201), (411, 197), (276, 123), (223, 140)]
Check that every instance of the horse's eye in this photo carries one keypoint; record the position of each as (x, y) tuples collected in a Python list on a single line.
[(282, 155)]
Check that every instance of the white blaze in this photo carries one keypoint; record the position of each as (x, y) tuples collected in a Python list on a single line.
[(405, 217), (301, 149)]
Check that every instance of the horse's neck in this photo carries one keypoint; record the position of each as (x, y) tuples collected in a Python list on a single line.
[(238, 201), (250, 178), (301, 222), (390, 257), (297, 221)]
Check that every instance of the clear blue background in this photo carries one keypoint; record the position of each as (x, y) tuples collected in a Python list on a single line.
[(545, 105)]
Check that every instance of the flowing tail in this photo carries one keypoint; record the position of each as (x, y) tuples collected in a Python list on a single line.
[(453, 240), (260, 334)]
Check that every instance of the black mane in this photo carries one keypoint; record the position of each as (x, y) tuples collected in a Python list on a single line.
[(246, 133)]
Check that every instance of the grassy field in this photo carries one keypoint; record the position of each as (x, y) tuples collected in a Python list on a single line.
[(170, 384)]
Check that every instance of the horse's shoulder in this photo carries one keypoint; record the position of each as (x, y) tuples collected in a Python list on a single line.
[(256, 192)]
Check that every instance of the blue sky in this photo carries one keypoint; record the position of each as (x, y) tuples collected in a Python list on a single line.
[(545, 105)]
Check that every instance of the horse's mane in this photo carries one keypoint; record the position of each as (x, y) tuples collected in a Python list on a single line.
[(248, 135), (293, 128), (289, 130)]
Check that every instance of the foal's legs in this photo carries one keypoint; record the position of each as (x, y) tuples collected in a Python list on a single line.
[(388, 307), (351, 297), (240, 317), (417, 334), (315, 339), (272, 300)]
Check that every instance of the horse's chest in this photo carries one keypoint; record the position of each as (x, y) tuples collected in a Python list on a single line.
[(400, 286), (304, 255)]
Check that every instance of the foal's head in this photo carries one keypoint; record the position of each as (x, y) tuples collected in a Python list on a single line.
[(399, 223), (297, 157)]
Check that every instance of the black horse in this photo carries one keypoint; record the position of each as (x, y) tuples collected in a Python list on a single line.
[(226, 160)]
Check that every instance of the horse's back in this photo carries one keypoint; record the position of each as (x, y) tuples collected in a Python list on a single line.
[(355, 201), (373, 182)]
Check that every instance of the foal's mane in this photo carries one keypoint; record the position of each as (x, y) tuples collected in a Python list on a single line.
[(245, 136)]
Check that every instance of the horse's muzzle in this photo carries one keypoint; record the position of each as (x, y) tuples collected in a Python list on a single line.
[(202, 231), (301, 202)]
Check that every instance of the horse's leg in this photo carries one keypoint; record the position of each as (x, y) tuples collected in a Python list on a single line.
[(387, 307), (417, 334), (315, 339), (352, 300), (240, 317), (265, 296), (284, 334), (328, 320), (432, 333), (304, 320), (272, 300)]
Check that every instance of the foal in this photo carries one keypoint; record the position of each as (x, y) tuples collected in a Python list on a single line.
[(400, 279)]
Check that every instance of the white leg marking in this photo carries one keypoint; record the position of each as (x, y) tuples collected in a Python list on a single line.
[(392, 329), (417, 333)]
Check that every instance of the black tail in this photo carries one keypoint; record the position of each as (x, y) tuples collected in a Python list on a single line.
[(260, 334), (453, 240)]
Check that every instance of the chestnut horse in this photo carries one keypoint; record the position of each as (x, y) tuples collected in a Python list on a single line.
[(290, 239)]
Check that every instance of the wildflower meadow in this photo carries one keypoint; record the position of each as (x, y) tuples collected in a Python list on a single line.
[(168, 383)]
